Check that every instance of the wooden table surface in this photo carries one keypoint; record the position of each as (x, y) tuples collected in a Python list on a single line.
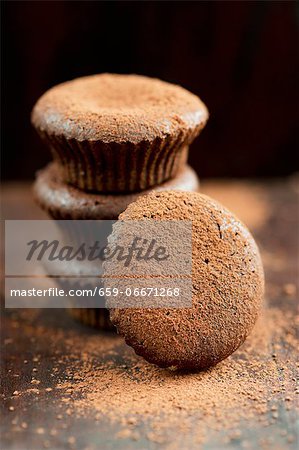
[(269, 208)]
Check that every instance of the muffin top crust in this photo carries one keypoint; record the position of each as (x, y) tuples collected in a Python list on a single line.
[(65, 201), (227, 286), (119, 108)]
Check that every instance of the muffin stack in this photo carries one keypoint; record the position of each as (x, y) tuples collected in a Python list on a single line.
[(113, 138)]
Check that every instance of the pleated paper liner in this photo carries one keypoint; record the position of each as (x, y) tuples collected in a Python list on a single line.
[(96, 318), (119, 167), (73, 275)]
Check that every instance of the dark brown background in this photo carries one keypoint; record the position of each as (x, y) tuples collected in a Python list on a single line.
[(240, 57)]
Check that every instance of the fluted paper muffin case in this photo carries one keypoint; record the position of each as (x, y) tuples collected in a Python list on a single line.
[(93, 317), (119, 167), (74, 275), (96, 318)]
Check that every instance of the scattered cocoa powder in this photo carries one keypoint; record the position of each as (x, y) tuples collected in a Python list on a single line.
[(241, 388), (106, 381)]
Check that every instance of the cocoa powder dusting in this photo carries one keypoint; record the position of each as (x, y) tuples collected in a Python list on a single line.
[(238, 389), (92, 381), (227, 284)]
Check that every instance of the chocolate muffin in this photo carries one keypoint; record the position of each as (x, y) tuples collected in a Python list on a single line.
[(227, 286), (62, 201), (119, 133)]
